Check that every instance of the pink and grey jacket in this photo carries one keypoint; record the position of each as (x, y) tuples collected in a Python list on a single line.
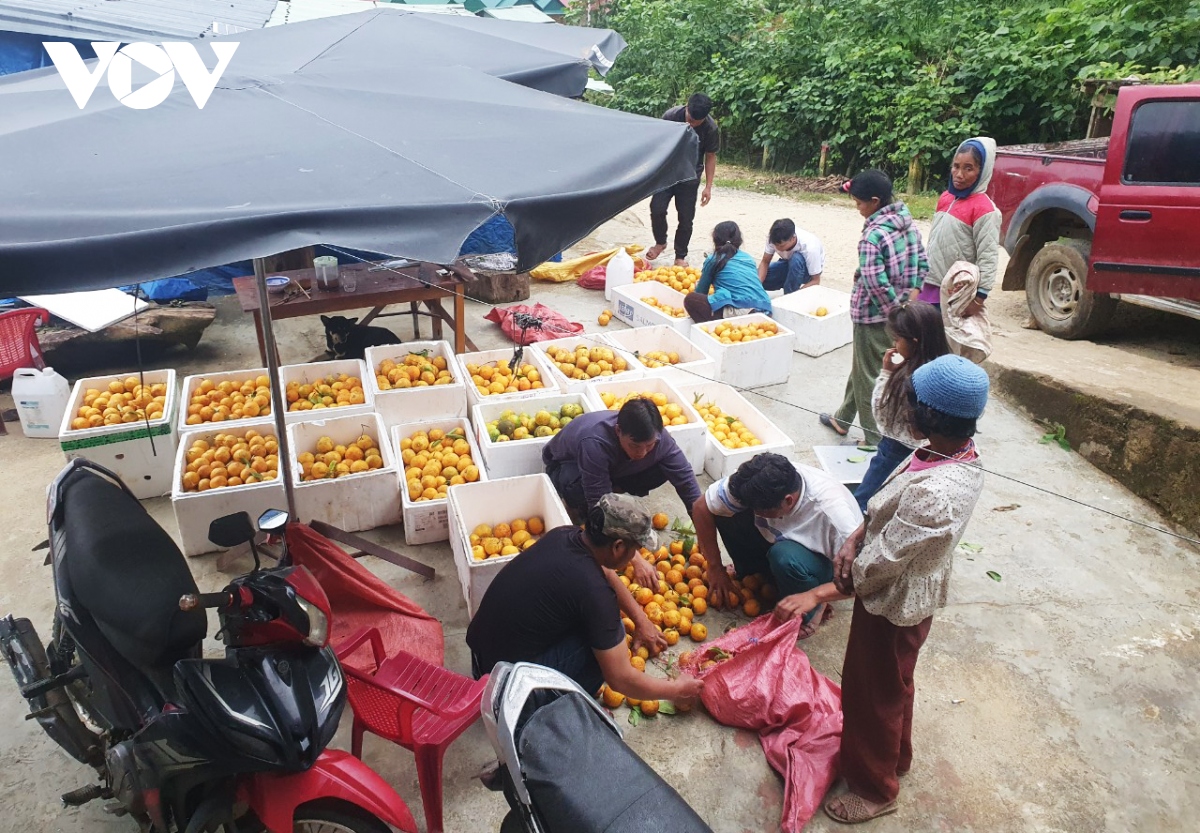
[(891, 263), (966, 228)]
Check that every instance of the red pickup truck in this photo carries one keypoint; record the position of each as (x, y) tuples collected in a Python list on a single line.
[(1091, 222)]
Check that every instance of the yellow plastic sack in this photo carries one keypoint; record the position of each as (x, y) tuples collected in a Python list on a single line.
[(570, 270)]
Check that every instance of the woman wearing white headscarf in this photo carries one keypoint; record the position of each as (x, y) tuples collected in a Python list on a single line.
[(967, 223)]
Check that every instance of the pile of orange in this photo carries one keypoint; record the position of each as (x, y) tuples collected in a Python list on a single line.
[(416, 370), (738, 333), (672, 412), (679, 278), (498, 378), (231, 460), (338, 391), (123, 401), (220, 401), (505, 539), (727, 429), (330, 460), (434, 460), (658, 358), (666, 309), (585, 362)]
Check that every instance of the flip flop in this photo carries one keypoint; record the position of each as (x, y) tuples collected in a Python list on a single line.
[(816, 622), (854, 809), (829, 422)]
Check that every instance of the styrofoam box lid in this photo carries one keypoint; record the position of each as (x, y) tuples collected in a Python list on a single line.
[(343, 430), (163, 425), (662, 337), (505, 354), (634, 368), (207, 432), (485, 412), (709, 341), (501, 501), (649, 384), (314, 371), (190, 383), (400, 432), (731, 402), (397, 352), (806, 301)]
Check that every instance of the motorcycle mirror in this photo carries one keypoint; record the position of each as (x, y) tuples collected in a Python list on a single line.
[(231, 530), (273, 520)]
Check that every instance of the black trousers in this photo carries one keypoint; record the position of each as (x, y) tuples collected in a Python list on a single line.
[(685, 195), (568, 482)]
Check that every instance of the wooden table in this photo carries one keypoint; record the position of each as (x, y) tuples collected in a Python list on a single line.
[(415, 285)]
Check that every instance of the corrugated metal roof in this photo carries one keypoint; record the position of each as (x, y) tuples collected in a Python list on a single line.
[(132, 20), (299, 11), (521, 14)]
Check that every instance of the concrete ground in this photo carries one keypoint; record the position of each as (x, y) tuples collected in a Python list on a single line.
[(1059, 698)]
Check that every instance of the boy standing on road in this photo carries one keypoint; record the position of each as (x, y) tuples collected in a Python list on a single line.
[(696, 115), (801, 258)]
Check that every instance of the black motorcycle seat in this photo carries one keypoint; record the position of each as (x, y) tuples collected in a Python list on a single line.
[(128, 573)]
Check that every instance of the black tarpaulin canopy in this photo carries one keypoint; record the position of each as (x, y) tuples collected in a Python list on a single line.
[(357, 145)]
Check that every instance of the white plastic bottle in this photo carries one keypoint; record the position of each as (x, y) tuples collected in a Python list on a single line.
[(41, 397), (618, 272)]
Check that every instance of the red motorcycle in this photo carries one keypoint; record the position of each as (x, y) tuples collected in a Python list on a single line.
[(181, 743)]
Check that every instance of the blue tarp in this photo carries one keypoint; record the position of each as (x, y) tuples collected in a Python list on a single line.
[(20, 51)]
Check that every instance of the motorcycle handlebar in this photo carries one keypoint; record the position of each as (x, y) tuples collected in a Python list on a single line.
[(202, 601)]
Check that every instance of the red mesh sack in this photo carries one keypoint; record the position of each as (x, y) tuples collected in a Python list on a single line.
[(764, 683), (361, 599), (554, 324), (593, 278)]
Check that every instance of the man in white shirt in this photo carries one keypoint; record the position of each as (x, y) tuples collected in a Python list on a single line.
[(801, 258), (776, 517)]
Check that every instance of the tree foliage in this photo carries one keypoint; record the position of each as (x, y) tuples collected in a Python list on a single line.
[(884, 82)]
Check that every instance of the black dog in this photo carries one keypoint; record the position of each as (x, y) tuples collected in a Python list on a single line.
[(347, 339)]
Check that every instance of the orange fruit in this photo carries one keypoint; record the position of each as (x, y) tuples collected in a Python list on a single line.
[(751, 608), (699, 606), (663, 567), (628, 623), (642, 652), (649, 708), (643, 596), (610, 698), (629, 701), (685, 657), (660, 520), (676, 548), (671, 635), (673, 577), (535, 525), (769, 593), (699, 633), (637, 662), (699, 592), (752, 582)]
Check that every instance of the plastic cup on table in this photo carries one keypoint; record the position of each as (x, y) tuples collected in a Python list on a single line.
[(349, 282)]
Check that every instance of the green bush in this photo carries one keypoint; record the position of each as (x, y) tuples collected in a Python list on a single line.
[(884, 83)]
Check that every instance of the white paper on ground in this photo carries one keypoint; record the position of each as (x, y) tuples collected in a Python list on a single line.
[(91, 311)]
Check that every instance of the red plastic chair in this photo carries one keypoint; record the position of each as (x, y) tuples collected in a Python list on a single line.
[(18, 340), (416, 704)]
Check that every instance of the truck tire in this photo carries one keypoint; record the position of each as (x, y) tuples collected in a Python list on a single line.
[(1055, 288)]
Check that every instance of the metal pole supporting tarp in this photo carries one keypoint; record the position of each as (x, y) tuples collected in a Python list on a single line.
[(278, 401)]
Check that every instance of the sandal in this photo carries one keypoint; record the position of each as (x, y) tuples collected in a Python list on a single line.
[(829, 422), (815, 623), (853, 809)]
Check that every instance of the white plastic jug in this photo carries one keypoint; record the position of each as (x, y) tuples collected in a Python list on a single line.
[(41, 397), (618, 272)]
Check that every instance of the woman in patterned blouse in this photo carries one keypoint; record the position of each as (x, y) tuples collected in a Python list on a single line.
[(897, 566)]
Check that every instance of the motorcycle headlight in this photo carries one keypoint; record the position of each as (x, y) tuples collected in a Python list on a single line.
[(318, 623)]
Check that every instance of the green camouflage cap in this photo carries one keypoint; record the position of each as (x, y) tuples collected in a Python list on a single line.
[(624, 518)]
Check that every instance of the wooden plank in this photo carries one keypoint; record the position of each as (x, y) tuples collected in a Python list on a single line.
[(371, 548)]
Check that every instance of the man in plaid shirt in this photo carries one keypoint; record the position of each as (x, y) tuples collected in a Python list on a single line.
[(892, 264)]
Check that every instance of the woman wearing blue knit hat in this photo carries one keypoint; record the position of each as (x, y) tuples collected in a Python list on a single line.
[(897, 566)]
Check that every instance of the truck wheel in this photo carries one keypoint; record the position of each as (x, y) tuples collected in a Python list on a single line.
[(1058, 296)]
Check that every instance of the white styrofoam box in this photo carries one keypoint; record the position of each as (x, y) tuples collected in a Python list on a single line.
[(634, 368), (504, 354), (816, 335), (190, 383), (518, 457), (493, 502), (630, 308), (846, 464), (194, 511), (694, 364), (314, 372), (719, 461), (402, 405), (142, 455), (352, 502), (689, 438), (751, 364), (425, 520)]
